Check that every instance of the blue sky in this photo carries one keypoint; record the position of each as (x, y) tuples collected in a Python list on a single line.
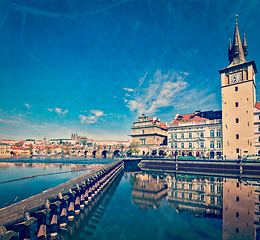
[(93, 67)]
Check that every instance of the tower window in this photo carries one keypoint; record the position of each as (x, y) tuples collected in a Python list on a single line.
[(237, 150), (236, 104), (237, 136), (237, 199), (237, 120), (236, 89)]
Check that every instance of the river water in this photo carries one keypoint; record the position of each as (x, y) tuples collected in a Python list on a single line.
[(151, 205)]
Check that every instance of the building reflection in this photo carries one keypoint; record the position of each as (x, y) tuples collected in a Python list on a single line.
[(234, 201), (148, 190), (200, 196)]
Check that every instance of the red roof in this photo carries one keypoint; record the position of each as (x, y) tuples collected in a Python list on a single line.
[(161, 123), (188, 118), (257, 105)]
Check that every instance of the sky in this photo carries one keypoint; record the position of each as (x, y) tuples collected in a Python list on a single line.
[(93, 67)]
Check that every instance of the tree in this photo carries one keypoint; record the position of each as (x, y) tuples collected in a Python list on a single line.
[(47, 149), (31, 149), (134, 147)]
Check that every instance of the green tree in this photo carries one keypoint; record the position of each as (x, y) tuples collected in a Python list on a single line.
[(31, 149), (134, 147)]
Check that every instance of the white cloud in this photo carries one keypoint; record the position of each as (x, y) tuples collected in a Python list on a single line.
[(129, 89), (96, 114), (60, 111), (141, 80), (161, 92), (27, 105), (8, 121), (169, 90)]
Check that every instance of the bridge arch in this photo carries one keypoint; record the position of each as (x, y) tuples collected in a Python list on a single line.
[(104, 153), (116, 153), (94, 153)]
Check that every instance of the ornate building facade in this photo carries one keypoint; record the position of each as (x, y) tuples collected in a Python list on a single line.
[(196, 134), (151, 134)]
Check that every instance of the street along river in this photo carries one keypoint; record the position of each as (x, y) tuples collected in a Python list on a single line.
[(149, 205)]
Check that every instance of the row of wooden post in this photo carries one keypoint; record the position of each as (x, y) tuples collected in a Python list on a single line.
[(66, 206)]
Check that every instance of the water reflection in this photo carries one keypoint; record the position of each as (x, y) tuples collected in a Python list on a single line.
[(234, 201), (148, 191)]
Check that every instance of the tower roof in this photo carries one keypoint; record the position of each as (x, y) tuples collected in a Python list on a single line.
[(237, 52)]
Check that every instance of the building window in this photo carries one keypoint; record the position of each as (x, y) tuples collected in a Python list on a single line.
[(237, 199), (236, 104), (212, 188), (182, 145), (182, 135), (259, 128), (190, 196), (171, 136), (212, 199), (259, 138), (218, 133), (211, 133), (237, 136), (190, 145), (175, 145), (236, 89), (202, 144), (175, 135), (237, 120), (143, 131), (171, 145), (259, 117), (211, 144), (202, 197), (237, 230), (237, 150), (142, 141), (218, 144), (202, 187), (190, 135), (202, 134)]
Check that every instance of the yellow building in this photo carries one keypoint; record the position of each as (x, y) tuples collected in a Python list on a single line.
[(5, 150), (238, 100), (149, 133)]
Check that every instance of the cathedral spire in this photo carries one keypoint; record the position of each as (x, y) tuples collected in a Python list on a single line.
[(237, 51)]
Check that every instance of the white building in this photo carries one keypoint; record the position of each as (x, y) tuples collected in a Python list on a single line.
[(196, 134)]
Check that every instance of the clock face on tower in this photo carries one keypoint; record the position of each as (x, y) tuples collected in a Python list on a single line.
[(236, 77)]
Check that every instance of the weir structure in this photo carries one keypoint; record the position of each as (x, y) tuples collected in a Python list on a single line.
[(47, 213)]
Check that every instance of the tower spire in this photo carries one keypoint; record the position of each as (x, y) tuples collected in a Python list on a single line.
[(245, 46), (237, 52)]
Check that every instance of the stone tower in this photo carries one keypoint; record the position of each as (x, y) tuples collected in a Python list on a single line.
[(238, 100)]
